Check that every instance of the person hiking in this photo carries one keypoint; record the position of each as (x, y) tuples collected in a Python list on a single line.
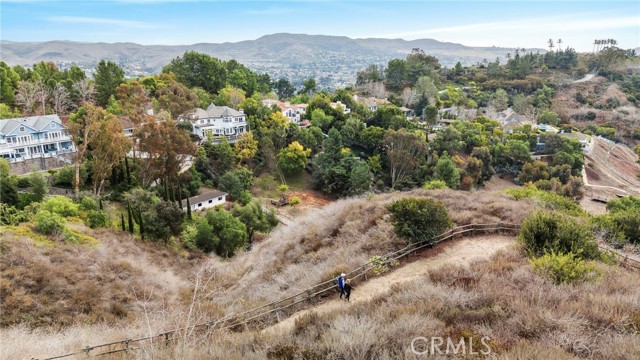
[(347, 289), (341, 284)]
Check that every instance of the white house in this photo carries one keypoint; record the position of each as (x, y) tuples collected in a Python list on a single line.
[(217, 121), (371, 103), (345, 109), (293, 112), (206, 200), (34, 137)]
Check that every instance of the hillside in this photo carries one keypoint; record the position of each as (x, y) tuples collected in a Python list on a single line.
[(333, 60)]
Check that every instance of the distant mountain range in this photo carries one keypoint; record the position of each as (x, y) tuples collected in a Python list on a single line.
[(332, 60)]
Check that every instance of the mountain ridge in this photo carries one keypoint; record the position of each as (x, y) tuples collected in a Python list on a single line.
[(333, 60)]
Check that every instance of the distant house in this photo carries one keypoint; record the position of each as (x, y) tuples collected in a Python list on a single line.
[(217, 121), (33, 137), (345, 109), (509, 120), (370, 103), (407, 112), (127, 125), (206, 200), (293, 112)]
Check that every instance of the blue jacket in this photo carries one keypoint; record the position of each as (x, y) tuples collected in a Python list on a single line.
[(340, 282)]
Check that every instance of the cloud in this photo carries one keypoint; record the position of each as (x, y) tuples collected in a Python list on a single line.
[(103, 21), (557, 24)]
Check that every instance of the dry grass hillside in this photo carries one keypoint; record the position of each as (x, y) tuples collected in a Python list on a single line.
[(597, 91), (76, 295)]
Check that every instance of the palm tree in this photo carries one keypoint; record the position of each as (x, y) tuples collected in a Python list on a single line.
[(559, 42)]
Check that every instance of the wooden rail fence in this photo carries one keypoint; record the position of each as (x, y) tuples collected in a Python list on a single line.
[(275, 310)]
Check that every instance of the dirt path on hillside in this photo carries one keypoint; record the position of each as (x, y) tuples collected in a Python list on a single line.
[(460, 252)]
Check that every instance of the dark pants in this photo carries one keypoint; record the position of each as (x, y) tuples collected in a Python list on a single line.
[(347, 293), (341, 292)]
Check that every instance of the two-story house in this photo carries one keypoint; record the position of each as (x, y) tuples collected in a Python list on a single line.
[(293, 112), (33, 137), (217, 121)]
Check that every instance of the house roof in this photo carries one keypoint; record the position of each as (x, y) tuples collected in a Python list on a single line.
[(38, 123), (215, 112), (206, 195)]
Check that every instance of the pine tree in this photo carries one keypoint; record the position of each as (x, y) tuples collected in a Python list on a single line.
[(126, 165), (130, 217), (141, 225), (122, 224), (189, 209)]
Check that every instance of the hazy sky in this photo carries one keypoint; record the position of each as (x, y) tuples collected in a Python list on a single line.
[(512, 23)]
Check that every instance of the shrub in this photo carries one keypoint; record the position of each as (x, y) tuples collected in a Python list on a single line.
[(294, 201), (61, 205), (188, 236), (435, 185), (419, 219), (88, 203), (97, 218), (628, 222), (564, 268), (543, 232), (549, 200), (49, 223)]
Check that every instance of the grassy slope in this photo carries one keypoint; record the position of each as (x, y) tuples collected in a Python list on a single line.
[(141, 287)]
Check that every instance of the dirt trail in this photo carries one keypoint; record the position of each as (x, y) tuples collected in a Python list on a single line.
[(460, 252)]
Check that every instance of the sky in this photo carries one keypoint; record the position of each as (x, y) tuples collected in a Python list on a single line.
[(514, 23)]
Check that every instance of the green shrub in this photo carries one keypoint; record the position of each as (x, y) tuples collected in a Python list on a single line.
[(189, 235), (61, 205), (628, 223), (97, 218), (547, 199), (49, 223), (435, 185), (294, 201), (88, 203), (543, 232), (419, 219), (564, 268)]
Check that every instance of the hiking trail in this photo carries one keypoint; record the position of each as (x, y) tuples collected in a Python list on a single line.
[(457, 252)]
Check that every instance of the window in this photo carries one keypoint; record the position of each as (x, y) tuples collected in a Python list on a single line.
[(220, 198), (53, 125), (211, 201), (199, 204), (21, 128)]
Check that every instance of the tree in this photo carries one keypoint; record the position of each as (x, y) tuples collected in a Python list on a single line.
[(133, 99), (518, 151), (309, 86), (395, 74), (237, 182), (8, 84), (293, 159), (549, 117), (39, 186), (108, 76), (163, 220), (245, 147), (222, 232), (360, 178), (404, 152), (108, 147), (419, 219), (484, 155), (61, 99), (85, 91), (521, 104), (501, 100), (255, 218), (201, 70), (447, 171), (167, 148), (425, 87), (230, 96), (174, 97), (216, 159), (473, 168), (83, 127), (430, 114), (283, 88), (26, 96)]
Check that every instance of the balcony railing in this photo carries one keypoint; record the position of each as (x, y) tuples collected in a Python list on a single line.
[(35, 142)]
